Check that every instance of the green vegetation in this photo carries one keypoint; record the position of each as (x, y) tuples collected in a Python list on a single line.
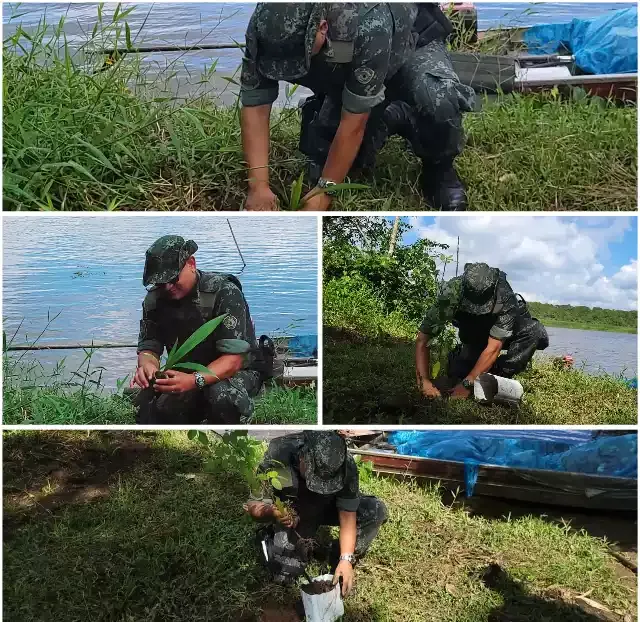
[(585, 318), (372, 381), (34, 396), (133, 530), (373, 304), (79, 138)]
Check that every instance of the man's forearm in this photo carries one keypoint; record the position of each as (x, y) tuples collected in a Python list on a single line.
[(345, 146), (423, 361), (146, 356), (484, 363), (254, 122), (224, 367), (348, 532)]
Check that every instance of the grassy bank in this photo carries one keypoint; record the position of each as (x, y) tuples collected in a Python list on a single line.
[(129, 534), (369, 371), (372, 381), (58, 405), (585, 318), (77, 138), (588, 326)]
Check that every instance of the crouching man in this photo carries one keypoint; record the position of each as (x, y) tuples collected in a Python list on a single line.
[(320, 486)]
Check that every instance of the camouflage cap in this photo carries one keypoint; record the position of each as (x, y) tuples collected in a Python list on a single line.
[(325, 458), (479, 283), (286, 32), (165, 259)]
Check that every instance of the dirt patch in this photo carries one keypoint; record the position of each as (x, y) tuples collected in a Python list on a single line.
[(278, 613), (317, 587), (44, 474)]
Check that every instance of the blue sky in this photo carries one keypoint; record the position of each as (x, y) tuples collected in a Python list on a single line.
[(576, 260)]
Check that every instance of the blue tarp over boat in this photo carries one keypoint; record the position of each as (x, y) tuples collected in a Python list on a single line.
[(558, 450), (603, 45), (304, 346)]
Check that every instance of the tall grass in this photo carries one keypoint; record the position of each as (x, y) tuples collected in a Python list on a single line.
[(79, 138)]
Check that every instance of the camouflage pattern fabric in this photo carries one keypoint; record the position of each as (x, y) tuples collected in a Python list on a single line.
[(370, 516), (530, 336), (165, 320), (165, 258), (229, 401), (477, 305), (340, 484)]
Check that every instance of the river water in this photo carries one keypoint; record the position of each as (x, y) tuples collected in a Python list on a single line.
[(596, 351), (89, 269), (189, 23)]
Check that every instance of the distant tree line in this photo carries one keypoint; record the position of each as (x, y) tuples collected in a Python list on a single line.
[(597, 316)]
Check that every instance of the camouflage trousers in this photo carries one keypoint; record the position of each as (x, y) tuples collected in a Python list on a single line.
[(531, 336), (370, 516), (424, 104), (229, 401)]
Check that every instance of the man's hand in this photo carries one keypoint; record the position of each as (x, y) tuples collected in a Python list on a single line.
[(144, 373), (258, 509), (460, 393), (261, 199), (176, 382), (429, 390), (287, 520), (344, 570), (315, 201)]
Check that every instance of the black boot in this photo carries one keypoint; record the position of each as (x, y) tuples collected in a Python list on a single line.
[(442, 187)]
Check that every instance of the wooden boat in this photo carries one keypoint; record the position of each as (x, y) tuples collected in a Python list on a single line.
[(504, 65), (576, 490)]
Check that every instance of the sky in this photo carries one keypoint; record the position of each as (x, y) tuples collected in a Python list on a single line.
[(580, 260)]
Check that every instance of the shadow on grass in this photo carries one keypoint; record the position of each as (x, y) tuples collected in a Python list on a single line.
[(521, 606), (127, 531), (371, 380)]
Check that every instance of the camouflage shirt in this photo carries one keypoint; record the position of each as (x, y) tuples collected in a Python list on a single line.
[(499, 324), (164, 320), (283, 456), (366, 45)]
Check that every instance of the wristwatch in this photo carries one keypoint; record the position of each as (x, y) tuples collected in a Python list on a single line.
[(467, 384), (349, 557), (201, 383), (325, 183)]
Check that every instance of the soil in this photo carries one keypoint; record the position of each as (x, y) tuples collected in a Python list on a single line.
[(317, 587), (305, 548)]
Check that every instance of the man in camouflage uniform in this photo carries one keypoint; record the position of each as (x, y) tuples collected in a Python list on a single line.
[(181, 299), (490, 318), (376, 69), (320, 482)]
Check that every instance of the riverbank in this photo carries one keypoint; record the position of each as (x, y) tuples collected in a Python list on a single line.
[(132, 528), (585, 318), (136, 151), (588, 326), (61, 406)]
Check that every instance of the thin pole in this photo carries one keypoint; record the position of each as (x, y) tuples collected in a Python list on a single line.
[(171, 48), (457, 255), (244, 263), (394, 235)]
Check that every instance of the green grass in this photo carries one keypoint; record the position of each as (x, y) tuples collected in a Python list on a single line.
[(76, 138), (51, 405), (59, 405), (128, 534), (372, 381), (588, 326)]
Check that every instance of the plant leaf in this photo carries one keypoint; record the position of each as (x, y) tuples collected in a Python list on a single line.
[(197, 338), (195, 367), (203, 438), (276, 484), (436, 369), (233, 346), (191, 434)]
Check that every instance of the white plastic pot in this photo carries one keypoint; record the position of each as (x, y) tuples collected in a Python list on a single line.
[(326, 607), (488, 389)]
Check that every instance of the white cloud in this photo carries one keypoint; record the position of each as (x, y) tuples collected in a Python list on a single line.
[(546, 258)]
